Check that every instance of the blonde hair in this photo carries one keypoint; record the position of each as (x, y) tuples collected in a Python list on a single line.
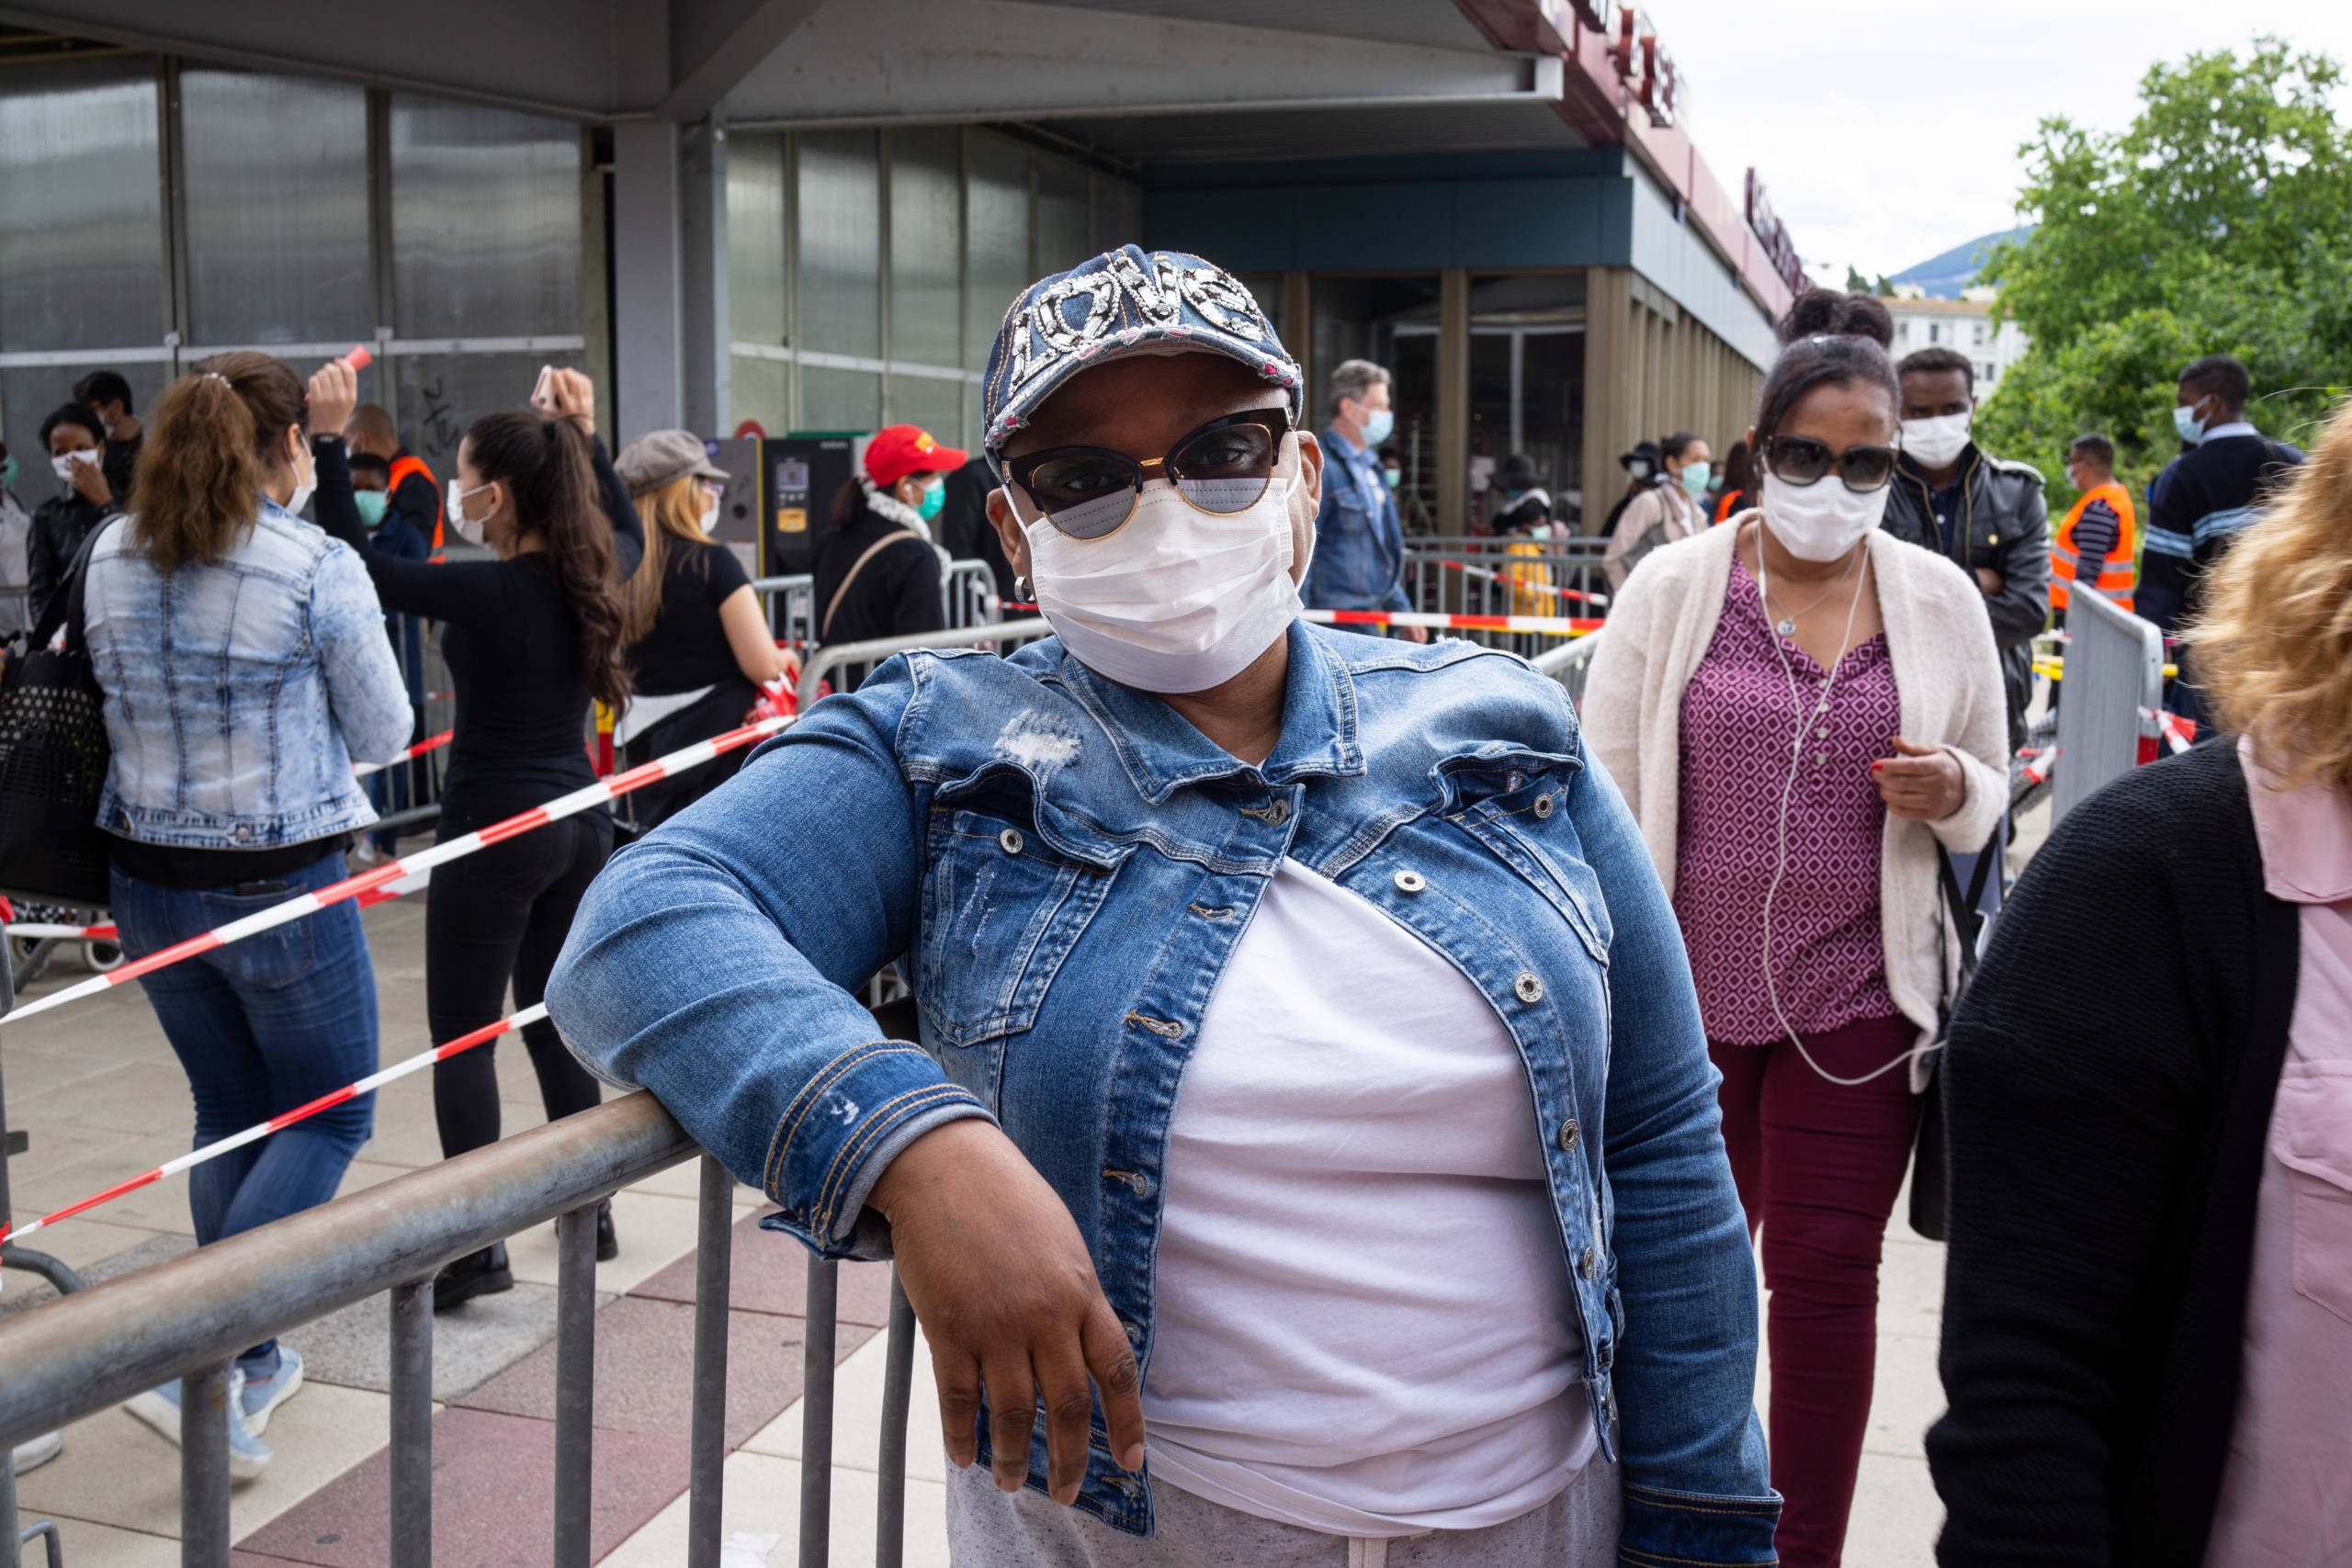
[(673, 511), (2273, 647)]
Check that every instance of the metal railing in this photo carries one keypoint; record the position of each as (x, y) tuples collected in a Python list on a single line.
[(1548, 577), (1571, 664), (188, 1317), (825, 660), (968, 595), (2112, 685), (791, 607)]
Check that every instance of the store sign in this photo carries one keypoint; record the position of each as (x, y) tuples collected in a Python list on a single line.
[(1773, 235), (1645, 66)]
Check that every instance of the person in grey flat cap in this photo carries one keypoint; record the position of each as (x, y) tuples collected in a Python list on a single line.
[(1303, 1064), (699, 647)]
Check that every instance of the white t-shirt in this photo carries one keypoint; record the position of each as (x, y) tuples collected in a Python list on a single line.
[(1364, 1324)]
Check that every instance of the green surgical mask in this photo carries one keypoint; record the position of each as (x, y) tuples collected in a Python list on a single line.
[(935, 496), (1394, 476), (371, 506)]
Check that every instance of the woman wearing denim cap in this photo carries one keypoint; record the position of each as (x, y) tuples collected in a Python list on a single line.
[(1307, 1065)]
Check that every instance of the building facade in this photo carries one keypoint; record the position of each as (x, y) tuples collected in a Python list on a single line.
[(1964, 325), (803, 215)]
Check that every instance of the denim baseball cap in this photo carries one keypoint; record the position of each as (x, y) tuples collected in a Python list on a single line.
[(1124, 301)]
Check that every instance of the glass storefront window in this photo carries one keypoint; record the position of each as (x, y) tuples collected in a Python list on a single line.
[(926, 251), (1064, 226), (81, 208), (841, 249), (996, 240), (486, 224), (277, 202)]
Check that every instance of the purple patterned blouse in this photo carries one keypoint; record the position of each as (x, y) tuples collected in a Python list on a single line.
[(1828, 951)]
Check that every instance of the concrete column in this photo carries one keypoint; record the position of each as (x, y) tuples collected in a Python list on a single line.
[(1609, 412), (648, 269), (1298, 335), (1453, 402), (704, 360)]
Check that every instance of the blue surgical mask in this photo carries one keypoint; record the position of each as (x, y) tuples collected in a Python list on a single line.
[(1392, 476), (935, 496), (2185, 419), (1377, 424), (371, 506), (1695, 477)]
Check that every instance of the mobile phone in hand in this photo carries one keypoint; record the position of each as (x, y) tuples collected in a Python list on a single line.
[(543, 394)]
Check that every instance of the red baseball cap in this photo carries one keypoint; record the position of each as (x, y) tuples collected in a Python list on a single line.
[(898, 450)]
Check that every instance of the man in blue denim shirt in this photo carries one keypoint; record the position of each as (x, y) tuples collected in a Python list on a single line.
[(1072, 855), (1359, 542)]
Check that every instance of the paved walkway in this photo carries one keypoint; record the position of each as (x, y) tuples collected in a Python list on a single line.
[(101, 1096)]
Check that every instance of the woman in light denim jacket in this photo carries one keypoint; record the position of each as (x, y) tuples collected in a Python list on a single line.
[(244, 664), (1190, 894)]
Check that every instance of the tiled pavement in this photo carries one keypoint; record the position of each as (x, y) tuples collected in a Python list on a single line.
[(97, 1090)]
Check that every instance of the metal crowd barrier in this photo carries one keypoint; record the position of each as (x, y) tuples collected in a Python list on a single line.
[(1571, 663), (2109, 697), (969, 596), (825, 660), (791, 605), (189, 1317), (1482, 577)]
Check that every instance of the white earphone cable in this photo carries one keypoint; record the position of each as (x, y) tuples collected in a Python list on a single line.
[(1788, 792)]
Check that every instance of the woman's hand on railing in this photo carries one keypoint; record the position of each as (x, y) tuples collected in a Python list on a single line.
[(1001, 1281)]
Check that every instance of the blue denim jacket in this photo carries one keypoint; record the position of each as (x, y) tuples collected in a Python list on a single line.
[(1064, 866), (1359, 544), (239, 693)]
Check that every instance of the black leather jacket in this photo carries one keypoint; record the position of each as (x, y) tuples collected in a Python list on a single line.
[(2001, 524)]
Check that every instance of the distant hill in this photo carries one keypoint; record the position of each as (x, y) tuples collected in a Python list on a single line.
[(1945, 275)]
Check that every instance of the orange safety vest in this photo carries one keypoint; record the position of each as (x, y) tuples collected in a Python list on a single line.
[(2119, 574), (401, 468)]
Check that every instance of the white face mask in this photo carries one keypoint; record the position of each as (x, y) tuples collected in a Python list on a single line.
[(305, 483), (1936, 442), (1177, 599), (1821, 521), (709, 517), (62, 464), (467, 528)]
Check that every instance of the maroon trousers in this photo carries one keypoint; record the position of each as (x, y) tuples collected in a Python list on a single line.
[(1818, 1166)]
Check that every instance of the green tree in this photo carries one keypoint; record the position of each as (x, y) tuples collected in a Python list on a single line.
[(2219, 222)]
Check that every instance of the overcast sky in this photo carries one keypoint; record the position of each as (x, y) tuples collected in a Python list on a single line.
[(1888, 133)]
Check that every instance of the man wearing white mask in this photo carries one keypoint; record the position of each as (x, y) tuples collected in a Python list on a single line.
[(1304, 1088), (1359, 542), (1981, 512)]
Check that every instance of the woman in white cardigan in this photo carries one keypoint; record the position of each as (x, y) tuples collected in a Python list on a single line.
[(1798, 707)]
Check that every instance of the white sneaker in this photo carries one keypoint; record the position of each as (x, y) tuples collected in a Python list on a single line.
[(34, 1452), (159, 1408), (260, 1397)]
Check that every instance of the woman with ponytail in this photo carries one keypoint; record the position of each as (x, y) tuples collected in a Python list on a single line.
[(530, 638), (245, 669)]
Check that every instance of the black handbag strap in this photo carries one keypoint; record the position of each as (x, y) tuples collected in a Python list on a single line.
[(1962, 906)]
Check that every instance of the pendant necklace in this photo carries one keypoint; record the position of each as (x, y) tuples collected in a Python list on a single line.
[(1787, 624)]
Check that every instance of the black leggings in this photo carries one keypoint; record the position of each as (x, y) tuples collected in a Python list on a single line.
[(502, 913)]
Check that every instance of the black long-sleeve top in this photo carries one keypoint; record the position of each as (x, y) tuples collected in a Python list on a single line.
[(2106, 1147), (513, 649)]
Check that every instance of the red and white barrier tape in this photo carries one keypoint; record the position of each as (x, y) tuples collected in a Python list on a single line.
[(419, 749), (1544, 625), (219, 1146), (378, 876), (1544, 588)]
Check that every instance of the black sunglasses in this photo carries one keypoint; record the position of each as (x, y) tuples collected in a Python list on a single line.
[(1801, 460), (1088, 493)]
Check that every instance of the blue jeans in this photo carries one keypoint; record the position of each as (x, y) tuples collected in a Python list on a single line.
[(261, 1026)]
